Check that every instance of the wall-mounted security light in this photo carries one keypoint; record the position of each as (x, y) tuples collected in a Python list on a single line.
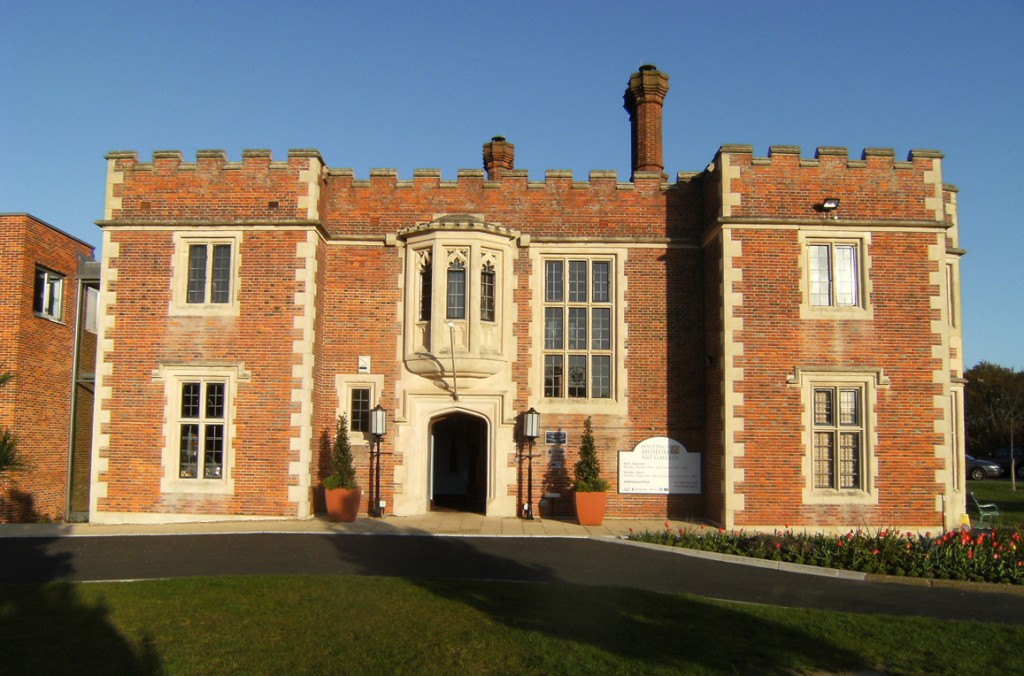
[(830, 203)]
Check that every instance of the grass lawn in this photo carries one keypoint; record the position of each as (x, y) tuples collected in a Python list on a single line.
[(1010, 502), (365, 625)]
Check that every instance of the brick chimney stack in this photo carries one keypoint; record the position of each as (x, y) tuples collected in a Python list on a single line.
[(643, 100), (499, 157)]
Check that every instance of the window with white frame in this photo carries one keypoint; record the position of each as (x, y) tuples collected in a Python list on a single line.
[(48, 294), (578, 342), (834, 274), (202, 429), (205, 275), (198, 418)]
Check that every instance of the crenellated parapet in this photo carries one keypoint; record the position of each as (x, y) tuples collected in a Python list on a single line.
[(212, 189), (785, 185)]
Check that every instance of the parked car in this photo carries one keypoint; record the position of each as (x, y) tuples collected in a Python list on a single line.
[(983, 468), (1002, 456)]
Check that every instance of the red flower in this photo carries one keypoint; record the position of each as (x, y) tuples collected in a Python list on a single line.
[(970, 553), (668, 525), (874, 552), (995, 556), (777, 545)]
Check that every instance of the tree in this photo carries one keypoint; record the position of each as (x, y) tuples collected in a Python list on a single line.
[(994, 408), (343, 474), (9, 460), (587, 470)]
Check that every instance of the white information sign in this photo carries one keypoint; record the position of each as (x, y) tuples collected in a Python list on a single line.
[(659, 466)]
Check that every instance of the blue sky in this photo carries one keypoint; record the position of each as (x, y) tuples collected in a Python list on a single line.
[(424, 84)]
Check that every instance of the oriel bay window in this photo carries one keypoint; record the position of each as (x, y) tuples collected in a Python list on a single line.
[(577, 328)]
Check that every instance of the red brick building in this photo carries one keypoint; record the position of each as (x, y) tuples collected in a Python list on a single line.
[(40, 295), (782, 331)]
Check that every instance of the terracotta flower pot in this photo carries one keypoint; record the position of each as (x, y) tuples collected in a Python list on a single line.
[(590, 507), (342, 503)]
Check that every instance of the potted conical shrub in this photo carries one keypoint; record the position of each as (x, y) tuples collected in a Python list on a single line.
[(589, 488), (341, 492)]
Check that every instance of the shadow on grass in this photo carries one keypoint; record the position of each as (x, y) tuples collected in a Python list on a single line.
[(649, 629), (640, 625), (47, 628)]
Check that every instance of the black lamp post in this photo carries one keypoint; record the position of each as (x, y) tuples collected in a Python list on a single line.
[(378, 425), (531, 430)]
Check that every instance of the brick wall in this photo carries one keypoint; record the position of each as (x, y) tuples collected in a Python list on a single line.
[(36, 404)]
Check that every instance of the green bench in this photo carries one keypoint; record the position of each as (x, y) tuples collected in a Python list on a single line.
[(987, 511)]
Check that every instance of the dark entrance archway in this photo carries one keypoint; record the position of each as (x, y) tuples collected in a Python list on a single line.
[(458, 463)]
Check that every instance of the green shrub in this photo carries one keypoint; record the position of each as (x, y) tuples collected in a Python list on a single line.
[(587, 470), (343, 474)]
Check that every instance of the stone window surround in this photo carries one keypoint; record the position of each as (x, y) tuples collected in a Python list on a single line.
[(863, 310), (344, 383), (179, 273), (617, 255), (870, 380), (173, 376)]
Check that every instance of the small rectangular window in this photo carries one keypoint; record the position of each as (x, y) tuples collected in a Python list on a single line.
[(601, 377), (834, 276), (577, 328), (48, 294), (553, 375), (577, 281), (576, 382), (553, 281), (359, 410), (553, 330), (209, 278), (602, 283), (426, 291), (456, 290), (487, 294), (197, 273)]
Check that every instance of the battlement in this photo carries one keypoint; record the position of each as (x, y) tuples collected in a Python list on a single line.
[(260, 161), (831, 156), (874, 187)]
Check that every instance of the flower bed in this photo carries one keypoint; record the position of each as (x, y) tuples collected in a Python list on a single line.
[(996, 556)]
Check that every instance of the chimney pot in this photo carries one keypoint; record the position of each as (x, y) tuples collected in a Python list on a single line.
[(643, 100), (499, 157)]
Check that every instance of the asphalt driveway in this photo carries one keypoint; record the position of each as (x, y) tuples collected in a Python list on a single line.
[(537, 560)]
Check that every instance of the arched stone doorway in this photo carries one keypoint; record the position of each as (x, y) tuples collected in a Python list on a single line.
[(458, 463)]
